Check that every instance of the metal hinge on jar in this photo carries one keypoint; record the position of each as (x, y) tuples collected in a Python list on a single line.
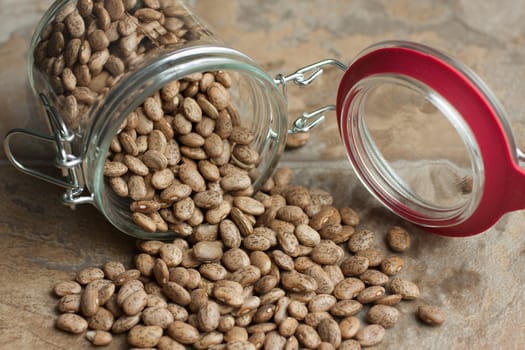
[(71, 165), (305, 76)]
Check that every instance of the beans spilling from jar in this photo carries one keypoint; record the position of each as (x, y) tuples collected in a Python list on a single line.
[(91, 44), (285, 269), (182, 164)]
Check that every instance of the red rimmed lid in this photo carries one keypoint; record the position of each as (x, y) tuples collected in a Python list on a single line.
[(503, 179)]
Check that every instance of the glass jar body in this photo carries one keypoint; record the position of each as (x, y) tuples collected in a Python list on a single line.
[(94, 66)]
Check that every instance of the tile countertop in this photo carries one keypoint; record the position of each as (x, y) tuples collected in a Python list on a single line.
[(478, 281)]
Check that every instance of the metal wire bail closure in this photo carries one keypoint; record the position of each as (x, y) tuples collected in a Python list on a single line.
[(305, 76), (71, 165)]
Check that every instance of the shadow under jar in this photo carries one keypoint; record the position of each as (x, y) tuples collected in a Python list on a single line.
[(135, 91)]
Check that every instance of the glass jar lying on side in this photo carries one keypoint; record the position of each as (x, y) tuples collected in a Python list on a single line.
[(147, 108)]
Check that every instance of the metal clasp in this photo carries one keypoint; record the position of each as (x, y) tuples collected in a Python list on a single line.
[(305, 76), (71, 165)]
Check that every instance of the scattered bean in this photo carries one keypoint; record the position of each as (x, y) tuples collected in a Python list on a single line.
[(431, 315)]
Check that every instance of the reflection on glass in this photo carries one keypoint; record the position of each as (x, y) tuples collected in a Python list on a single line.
[(418, 145)]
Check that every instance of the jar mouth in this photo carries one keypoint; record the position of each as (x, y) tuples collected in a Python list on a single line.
[(421, 183), (263, 105)]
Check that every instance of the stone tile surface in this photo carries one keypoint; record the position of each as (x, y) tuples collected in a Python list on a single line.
[(478, 281)]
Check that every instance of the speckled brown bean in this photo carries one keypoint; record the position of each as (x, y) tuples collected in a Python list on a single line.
[(208, 316), (191, 109), (288, 326), (431, 315), (144, 221), (183, 332), (348, 288), (256, 242), (349, 216), (102, 320), (157, 316), (242, 136), (119, 186), (329, 331), (218, 96), (75, 24), (243, 221), (89, 274), (308, 336), (124, 323), (262, 261), (324, 283), (354, 265), (171, 254), (207, 199), (230, 234), (162, 179), (135, 303), (370, 335), (69, 303), (274, 340), (374, 256), (71, 323), (349, 327), (246, 275), (361, 240), (89, 302), (350, 344), (383, 315), (228, 292), (137, 187), (249, 205), (144, 336), (115, 9), (374, 278), (99, 337), (307, 235), (167, 343), (208, 251), (175, 192), (190, 175), (209, 170), (67, 288), (371, 294), (408, 290), (392, 265), (321, 302), (127, 289), (345, 308), (398, 239), (297, 309), (391, 299), (217, 214), (326, 253), (236, 182), (236, 334), (298, 282), (113, 268), (176, 293), (213, 272), (282, 177), (136, 165)]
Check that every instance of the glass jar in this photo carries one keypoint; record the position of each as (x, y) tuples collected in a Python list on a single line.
[(93, 64)]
